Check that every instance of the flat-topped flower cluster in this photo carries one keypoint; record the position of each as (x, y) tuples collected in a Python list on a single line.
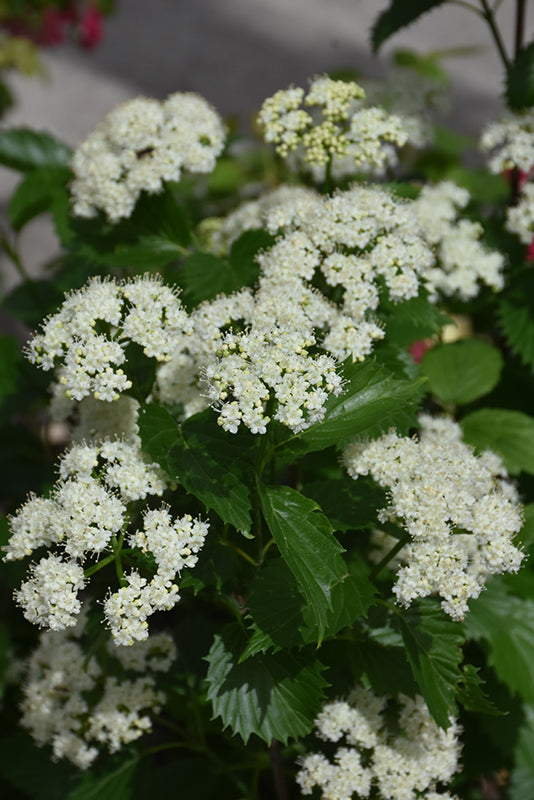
[(400, 762), (69, 703), (463, 261), (87, 515), (141, 145), (339, 129), (263, 352), (459, 510)]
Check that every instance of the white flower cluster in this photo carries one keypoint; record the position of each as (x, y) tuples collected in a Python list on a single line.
[(251, 215), (273, 352), (174, 545), (520, 218), (399, 765), (68, 705), (458, 509), (341, 127), (512, 142), (463, 261), (85, 515), (86, 340), (139, 146)]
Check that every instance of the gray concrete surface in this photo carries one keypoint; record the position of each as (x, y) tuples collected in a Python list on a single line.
[(236, 53)]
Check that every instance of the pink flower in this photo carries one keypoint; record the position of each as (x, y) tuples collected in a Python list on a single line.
[(524, 177), (50, 31), (419, 348), (530, 251), (90, 28)]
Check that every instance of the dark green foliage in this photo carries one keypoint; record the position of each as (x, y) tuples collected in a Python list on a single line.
[(272, 696), (398, 15), (432, 642), (520, 80), (24, 150)]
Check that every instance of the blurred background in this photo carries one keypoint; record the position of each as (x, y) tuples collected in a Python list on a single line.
[(236, 53)]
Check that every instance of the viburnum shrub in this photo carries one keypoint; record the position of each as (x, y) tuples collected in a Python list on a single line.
[(268, 453)]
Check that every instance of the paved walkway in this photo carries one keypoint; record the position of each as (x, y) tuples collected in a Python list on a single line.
[(236, 53)]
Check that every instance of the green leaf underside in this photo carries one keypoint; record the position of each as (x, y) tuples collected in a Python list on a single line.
[(510, 434), (520, 80), (399, 14), (36, 193), (281, 617), (462, 371), (23, 149), (306, 542), (433, 648), (273, 696), (201, 458), (116, 785), (507, 624), (372, 401), (517, 324)]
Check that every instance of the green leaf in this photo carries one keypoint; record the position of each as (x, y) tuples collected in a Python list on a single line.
[(243, 254), (425, 64), (526, 534), (217, 471), (156, 234), (23, 149), (522, 777), (507, 624), (36, 193), (384, 669), (305, 539), (6, 98), (462, 371), (349, 505), (471, 694), (433, 648), (9, 359), (116, 785), (204, 275), (413, 320), (373, 400), (31, 769), (276, 606), (520, 80), (159, 434), (482, 185), (273, 696), (399, 14), (31, 301), (510, 434), (517, 324), (209, 463), (281, 617)]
